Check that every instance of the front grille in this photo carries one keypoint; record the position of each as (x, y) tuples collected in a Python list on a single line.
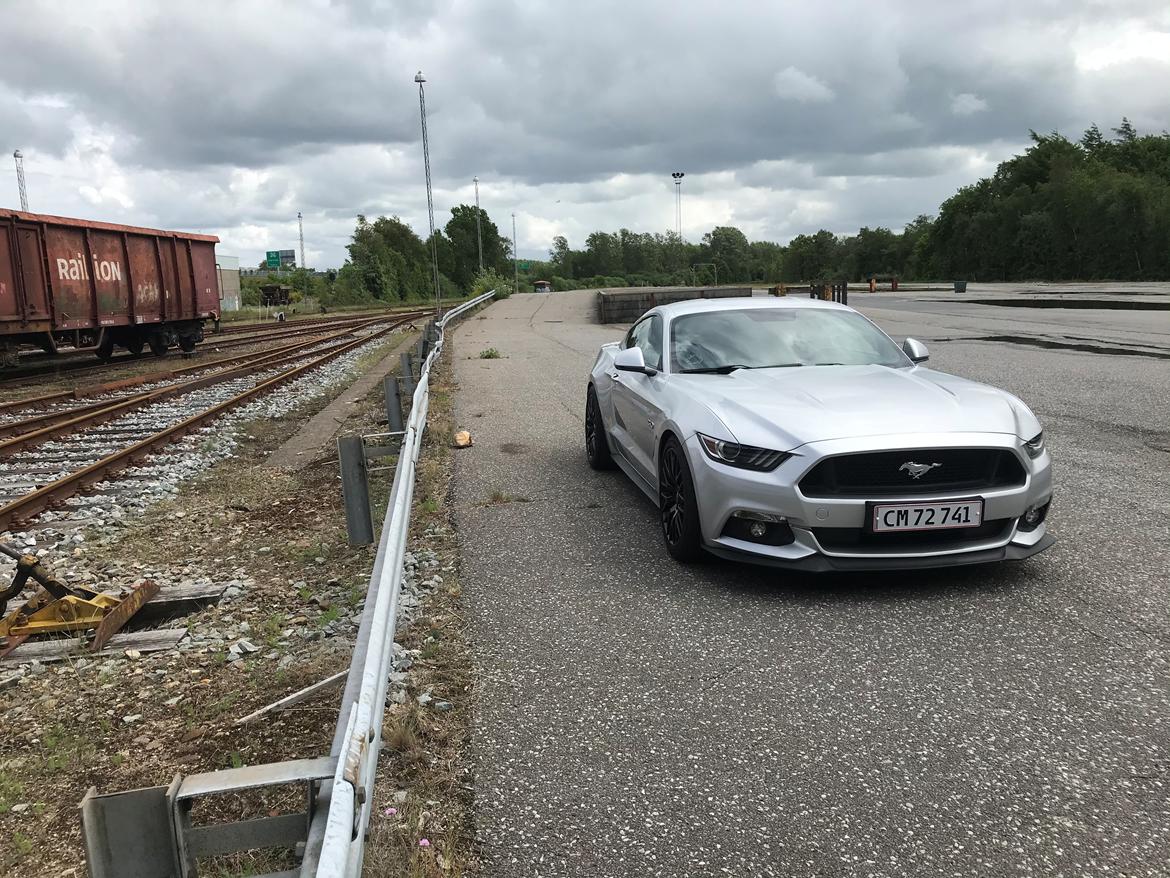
[(857, 539), (889, 473)]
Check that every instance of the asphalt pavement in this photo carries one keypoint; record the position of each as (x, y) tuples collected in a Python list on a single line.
[(637, 717)]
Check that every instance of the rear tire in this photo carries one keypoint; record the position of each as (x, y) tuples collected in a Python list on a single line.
[(678, 510), (596, 443)]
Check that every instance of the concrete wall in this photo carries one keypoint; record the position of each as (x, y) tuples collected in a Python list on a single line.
[(626, 305), (228, 270)]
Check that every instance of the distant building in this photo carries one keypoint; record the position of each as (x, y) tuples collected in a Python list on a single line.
[(228, 270)]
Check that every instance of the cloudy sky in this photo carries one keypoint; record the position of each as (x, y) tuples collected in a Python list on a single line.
[(229, 117)]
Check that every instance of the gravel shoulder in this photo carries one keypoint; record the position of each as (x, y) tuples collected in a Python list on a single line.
[(207, 510), (635, 717)]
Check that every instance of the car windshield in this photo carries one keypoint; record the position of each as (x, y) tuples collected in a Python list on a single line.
[(764, 338)]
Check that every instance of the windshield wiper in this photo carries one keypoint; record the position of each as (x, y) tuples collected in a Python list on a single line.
[(716, 370), (733, 367)]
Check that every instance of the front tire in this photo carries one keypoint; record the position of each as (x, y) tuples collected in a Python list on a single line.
[(678, 511), (596, 444)]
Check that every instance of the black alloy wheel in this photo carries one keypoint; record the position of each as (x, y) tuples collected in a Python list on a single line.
[(677, 508), (596, 445)]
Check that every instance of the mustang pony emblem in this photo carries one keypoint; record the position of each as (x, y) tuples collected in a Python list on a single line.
[(917, 470)]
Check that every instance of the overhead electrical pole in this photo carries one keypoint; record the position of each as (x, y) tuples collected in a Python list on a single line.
[(19, 157), (478, 231), (304, 268), (515, 264), (678, 175), (422, 110)]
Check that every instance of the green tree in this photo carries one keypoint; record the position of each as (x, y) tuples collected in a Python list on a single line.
[(464, 240)]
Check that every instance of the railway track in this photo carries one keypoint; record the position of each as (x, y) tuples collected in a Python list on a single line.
[(83, 362), (55, 454)]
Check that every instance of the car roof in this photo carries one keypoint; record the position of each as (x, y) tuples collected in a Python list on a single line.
[(740, 303)]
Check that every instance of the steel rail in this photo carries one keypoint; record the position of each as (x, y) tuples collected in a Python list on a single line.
[(165, 374), (42, 498), (82, 362), (336, 841), (41, 428)]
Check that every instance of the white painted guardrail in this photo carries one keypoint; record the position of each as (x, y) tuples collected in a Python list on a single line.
[(337, 834)]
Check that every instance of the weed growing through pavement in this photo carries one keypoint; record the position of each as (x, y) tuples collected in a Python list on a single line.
[(497, 497), (489, 354)]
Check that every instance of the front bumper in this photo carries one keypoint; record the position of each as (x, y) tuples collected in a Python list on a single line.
[(722, 491)]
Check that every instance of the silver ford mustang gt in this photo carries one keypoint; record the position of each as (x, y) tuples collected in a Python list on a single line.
[(796, 433)]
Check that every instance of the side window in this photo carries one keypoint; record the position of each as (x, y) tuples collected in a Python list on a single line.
[(636, 337), (651, 343), (631, 339)]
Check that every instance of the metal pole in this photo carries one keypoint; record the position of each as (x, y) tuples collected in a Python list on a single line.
[(355, 489), (678, 177), (304, 267), (393, 404), (515, 263), (407, 374), (478, 231), (18, 156), (422, 109)]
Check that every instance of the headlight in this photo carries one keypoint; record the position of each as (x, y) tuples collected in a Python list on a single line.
[(743, 456), (1035, 445)]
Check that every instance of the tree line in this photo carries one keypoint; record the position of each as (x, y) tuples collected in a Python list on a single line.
[(1094, 208)]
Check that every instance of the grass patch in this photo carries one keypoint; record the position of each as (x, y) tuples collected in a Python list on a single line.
[(498, 497), (489, 354)]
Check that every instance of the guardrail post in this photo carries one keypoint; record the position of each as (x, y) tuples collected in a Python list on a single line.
[(407, 374), (393, 405), (355, 489)]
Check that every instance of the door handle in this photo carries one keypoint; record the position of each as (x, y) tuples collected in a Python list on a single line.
[(615, 376)]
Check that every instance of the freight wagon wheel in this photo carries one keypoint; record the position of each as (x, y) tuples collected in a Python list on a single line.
[(187, 343), (135, 346), (105, 348), (158, 345)]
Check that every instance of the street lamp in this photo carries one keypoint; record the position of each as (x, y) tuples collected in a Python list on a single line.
[(678, 175), (422, 110), (515, 264), (478, 231)]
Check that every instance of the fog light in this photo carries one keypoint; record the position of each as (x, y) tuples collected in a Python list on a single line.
[(757, 529), (1033, 516)]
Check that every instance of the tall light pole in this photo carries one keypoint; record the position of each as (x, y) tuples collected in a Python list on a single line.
[(678, 175), (515, 256), (301, 234), (19, 158), (478, 231), (422, 109)]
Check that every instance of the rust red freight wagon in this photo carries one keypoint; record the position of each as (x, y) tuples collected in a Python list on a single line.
[(77, 283)]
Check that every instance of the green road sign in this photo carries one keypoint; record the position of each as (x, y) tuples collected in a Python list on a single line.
[(524, 265), (273, 258)]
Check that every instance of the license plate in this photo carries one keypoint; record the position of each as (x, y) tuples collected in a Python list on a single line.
[(940, 515)]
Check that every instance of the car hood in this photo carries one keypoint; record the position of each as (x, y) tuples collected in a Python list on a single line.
[(786, 408)]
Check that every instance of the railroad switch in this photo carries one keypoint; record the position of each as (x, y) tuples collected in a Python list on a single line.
[(58, 608)]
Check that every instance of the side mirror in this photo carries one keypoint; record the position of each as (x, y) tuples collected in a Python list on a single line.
[(631, 360), (915, 350)]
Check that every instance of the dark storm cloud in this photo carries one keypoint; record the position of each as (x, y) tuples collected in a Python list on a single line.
[(783, 115)]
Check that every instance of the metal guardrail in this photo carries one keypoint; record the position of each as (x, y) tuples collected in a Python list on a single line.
[(149, 833), (337, 833)]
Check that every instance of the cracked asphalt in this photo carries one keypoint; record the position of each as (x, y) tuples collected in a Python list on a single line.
[(636, 717)]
